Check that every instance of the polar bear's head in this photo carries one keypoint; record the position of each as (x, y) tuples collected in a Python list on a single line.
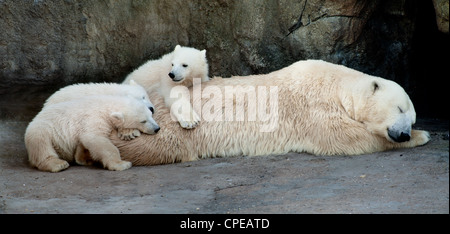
[(384, 108), (135, 115), (139, 93), (187, 64)]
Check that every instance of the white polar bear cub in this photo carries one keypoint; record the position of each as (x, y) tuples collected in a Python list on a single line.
[(178, 68), (61, 132), (77, 91)]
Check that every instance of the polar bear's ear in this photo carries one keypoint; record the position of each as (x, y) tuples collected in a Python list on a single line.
[(118, 115), (177, 47), (203, 53), (375, 87), (134, 83)]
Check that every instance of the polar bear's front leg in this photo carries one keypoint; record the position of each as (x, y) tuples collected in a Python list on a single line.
[(184, 113), (190, 120), (101, 149)]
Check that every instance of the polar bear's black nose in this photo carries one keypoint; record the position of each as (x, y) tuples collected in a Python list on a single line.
[(399, 136), (172, 75), (403, 137), (157, 129)]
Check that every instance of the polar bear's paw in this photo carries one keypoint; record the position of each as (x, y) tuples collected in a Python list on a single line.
[(54, 165), (128, 134), (190, 123), (420, 137), (118, 165)]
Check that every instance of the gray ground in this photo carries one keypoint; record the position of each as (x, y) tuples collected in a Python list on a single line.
[(400, 181)]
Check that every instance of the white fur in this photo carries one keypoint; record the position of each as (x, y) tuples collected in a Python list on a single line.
[(323, 108), (78, 130), (184, 64), (77, 91)]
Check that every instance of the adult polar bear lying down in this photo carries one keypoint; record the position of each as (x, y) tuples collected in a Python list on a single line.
[(323, 109)]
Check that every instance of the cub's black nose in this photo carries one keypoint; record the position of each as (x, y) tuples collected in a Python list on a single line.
[(157, 130), (172, 75)]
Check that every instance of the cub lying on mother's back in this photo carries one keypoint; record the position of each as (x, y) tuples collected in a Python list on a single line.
[(178, 68)]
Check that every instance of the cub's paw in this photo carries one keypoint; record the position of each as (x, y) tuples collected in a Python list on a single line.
[(128, 134), (118, 165), (189, 123), (54, 165)]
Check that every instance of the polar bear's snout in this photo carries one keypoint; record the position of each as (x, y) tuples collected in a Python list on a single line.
[(399, 136), (151, 128), (400, 131), (174, 77), (156, 129)]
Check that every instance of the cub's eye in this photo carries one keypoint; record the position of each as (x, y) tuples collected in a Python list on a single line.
[(400, 109), (172, 64), (144, 121), (185, 65)]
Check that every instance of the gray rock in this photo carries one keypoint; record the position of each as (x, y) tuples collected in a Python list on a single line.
[(441, 8), (63, 42)]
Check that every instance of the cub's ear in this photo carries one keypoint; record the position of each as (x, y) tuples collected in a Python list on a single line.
[(118, 115), (203, 53), (132, 82), (177, 47), (375, 87)]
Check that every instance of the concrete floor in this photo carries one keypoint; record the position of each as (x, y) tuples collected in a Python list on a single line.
[(400, 181)]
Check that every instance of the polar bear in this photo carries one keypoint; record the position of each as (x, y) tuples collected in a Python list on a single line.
[(62, 132), (178, 68), (322, 109), (77, 91)]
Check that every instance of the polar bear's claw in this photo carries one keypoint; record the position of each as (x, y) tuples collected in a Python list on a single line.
[(189, 124)]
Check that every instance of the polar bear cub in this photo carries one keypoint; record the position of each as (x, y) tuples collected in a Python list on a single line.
[(178, 68), (77, 91), (61, 132)]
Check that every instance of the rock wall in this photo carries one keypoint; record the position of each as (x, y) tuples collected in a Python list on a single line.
[(441, 7), (63, 42)]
